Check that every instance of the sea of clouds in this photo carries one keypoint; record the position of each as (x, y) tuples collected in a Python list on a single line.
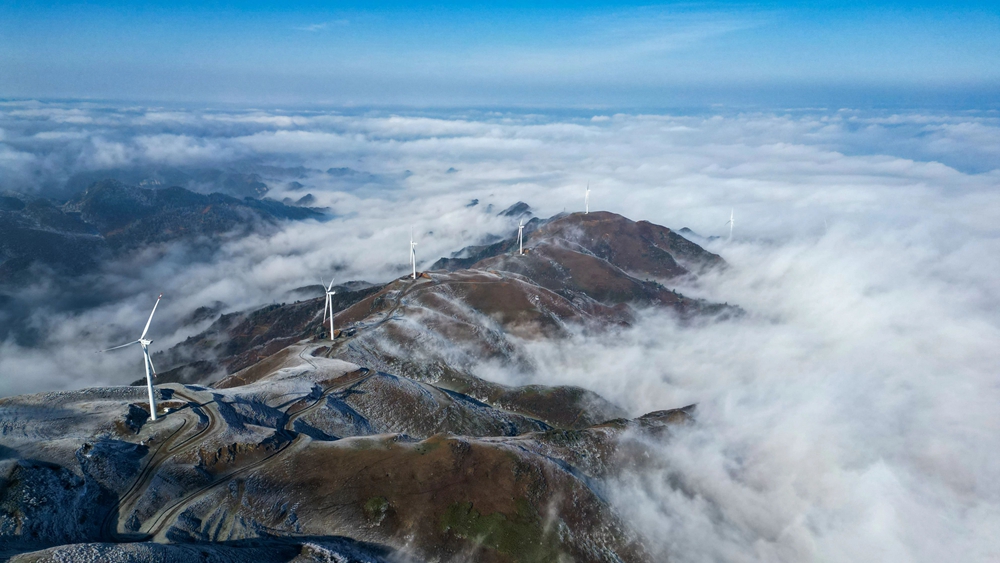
[(851, 415)]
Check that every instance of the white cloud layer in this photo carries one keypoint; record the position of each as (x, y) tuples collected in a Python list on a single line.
[(850, 416)]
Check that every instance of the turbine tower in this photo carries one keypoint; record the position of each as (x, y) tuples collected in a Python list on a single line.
[(730, 223), (586, 200), (520, 236), (328, 307), (413, 255), (149, 363)]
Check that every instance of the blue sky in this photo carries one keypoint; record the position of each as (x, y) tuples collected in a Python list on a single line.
[(606, 54)]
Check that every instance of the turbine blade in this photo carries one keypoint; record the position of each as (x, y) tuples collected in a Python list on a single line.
[(146, 356), (329, 287), (149, 359), (145, 330), (122, 346)]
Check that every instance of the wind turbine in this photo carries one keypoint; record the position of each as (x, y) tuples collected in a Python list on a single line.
[(520, 236), (586, 200), (730, 223), (328, 307), (149, 363), (413, 255)]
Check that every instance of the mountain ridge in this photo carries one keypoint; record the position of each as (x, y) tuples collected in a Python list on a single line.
[(381, 443)]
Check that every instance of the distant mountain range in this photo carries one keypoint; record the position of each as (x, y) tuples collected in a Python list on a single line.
[(279, 444), (110, 218), (44, 240), (235, 183)]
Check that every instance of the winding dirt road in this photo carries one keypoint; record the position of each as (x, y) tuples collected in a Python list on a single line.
[(200, 422)]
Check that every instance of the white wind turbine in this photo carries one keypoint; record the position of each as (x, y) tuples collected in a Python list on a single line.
[(413, 255), (328, 306), (149, 363), (520, 236), (730, 223), (586, 200)]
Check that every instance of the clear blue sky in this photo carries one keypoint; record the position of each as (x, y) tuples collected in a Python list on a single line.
[(504, 54)]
